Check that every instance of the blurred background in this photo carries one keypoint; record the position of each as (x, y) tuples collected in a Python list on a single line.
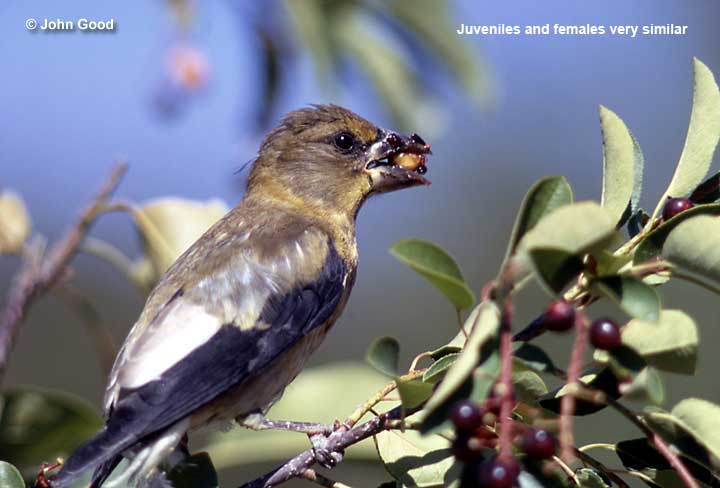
[(184, 91)]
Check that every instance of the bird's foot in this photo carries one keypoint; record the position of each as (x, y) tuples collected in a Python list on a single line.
[(326, 457), (42, 480), (259, 422)]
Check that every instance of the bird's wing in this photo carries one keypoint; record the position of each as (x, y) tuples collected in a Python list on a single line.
[(223, 331)]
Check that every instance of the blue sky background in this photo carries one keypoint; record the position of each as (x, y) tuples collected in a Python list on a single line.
[(72, 102)]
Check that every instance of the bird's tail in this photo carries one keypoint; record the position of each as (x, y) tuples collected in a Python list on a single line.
[(100, 453)]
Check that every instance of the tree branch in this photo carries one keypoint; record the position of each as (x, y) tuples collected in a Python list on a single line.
[(41, 271), (567, 406), (336, 442)]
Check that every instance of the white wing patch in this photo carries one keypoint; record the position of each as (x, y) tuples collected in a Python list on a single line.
[(185, 328)]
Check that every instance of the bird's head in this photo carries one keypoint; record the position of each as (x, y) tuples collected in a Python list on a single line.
[(329, 157)]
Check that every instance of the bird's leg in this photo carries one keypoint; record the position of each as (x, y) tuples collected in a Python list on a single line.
[(317, 433), (257, 421)]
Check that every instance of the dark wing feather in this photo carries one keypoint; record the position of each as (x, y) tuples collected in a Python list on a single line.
[(233, 355), (229, 358)]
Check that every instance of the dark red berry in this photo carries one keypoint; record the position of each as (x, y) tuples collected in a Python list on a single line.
[(559, 316), (605, 334), (538, 444), (422, 169), (467, 447), (466, 416), (674, 206), (498, 473)]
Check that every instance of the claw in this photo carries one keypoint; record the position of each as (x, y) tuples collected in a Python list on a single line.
[(326, 457)]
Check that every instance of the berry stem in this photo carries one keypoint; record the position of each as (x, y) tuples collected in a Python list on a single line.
[(672, 458), (567, 407), (505, 382)]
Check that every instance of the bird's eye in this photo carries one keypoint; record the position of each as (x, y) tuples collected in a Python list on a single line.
[(344, 141)]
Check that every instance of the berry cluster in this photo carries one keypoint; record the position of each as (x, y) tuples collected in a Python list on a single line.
[(475, 441)]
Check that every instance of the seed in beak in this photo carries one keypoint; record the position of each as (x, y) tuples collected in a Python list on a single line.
[(409, 161)]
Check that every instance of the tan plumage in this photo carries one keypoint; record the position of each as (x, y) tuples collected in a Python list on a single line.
[(235, 318)]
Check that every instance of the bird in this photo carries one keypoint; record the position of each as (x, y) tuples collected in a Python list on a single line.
[(233, 321)]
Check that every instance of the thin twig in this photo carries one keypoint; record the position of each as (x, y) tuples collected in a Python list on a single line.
[(567, 406), (34, 279), (359, 412), (505, 382)]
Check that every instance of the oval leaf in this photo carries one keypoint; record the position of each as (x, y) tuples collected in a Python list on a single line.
[(437, 369), (417, 461), (414, 392), (484, 323), (555, 268), (694, 418), (384, 355), (10, 477), (618, 164), (604, 380), (576, 229), (651, 246), (703, 133), (670, 344), (438, 267), (546, 195), (694, 245), (632, 295)]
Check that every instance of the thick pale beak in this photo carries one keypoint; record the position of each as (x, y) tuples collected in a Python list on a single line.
[(385, 175)]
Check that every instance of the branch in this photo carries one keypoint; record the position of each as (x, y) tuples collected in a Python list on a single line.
[(336, 442), (41, 271), (658, 441), (505, 382), (567, 406)]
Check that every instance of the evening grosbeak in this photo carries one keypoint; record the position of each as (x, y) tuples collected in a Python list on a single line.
[(235, 318)]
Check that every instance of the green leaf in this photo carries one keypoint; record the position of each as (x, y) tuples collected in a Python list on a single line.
[(485, 321), (577, 228), (432, 23), (652, 245), (707, 192), (589, 478), (701, 419), (624, 361), (546, 195), (670, 344), (702, 136), (10, 477), (384, 355), (632, 295), (436, 266), (414, 392), (555, 268), (455, 345), (646, 386), (378, 53), (347, 384), (692, 427), (602, 379), (437, 369), (640, 455), (417, 461), (694, 245), (197, 471), (618, 164), (532, 356), (40, 424), (529, 386)]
